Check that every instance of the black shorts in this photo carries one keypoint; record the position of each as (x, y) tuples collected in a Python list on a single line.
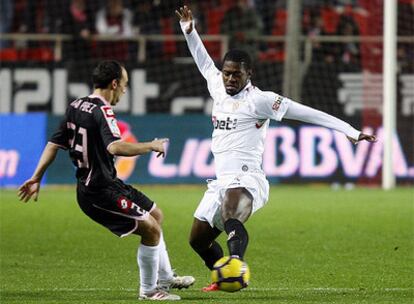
[(117, 206)]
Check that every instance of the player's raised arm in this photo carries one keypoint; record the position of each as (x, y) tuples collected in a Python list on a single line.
[(201, 57)]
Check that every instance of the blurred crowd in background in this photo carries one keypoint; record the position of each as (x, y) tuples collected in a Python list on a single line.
[(241, 20)]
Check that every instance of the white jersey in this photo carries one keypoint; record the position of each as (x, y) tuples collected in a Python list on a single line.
[(241, 121), (240, 125)]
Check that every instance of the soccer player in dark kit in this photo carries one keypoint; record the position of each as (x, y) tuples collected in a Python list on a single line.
[(90, 133)]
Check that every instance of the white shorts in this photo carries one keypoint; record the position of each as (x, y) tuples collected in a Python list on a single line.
[(209, 209)]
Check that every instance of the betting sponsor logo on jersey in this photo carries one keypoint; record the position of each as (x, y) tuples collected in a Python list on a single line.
[(228, 124)]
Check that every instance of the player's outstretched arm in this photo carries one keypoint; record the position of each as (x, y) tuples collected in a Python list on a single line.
[(304, 113), (201, 57), (123, 148), (31, 187)]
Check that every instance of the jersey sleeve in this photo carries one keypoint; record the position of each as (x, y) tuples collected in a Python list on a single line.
[(61, 136), (304, 113), (108, 125), (201, 57), (269, 105)]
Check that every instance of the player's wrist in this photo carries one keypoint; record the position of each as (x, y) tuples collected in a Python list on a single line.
[(185, 25), (153, 147), (354, 134), (36, 178)]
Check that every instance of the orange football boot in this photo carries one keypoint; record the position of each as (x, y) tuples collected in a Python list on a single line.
[(211, 287)]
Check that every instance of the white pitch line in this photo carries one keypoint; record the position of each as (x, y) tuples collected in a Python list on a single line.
[(317, 289)]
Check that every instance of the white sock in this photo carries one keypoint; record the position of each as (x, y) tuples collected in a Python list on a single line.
[(148, 259), (165, 272)]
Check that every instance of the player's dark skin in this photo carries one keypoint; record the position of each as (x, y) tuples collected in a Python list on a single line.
[(237, 202), (235, 76)]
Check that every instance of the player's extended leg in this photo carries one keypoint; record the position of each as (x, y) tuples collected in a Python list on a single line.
[(202, 240), (148, 260), (236, 209), (166, 277)]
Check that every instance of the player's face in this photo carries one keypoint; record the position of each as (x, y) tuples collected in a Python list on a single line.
[(120, 90), (235, 77)]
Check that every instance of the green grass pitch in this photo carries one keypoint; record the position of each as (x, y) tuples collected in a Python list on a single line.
[(308, 245)]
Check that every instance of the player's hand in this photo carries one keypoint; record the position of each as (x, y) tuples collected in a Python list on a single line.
[(362, 136), (29, 188), (184, 14), (158, 145)]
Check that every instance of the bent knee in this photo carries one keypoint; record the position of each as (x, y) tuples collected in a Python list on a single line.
[(149, 230), (158, 215), (237, 204), (154, 231), (198, 244), (194, 243)]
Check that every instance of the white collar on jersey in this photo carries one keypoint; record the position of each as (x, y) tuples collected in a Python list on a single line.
[(246, 87), (101, 98)]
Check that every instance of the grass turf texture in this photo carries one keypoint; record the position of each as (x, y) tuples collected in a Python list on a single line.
[(308, 245)]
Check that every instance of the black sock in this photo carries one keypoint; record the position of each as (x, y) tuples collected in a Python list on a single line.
[(237, 237), (212, 254)]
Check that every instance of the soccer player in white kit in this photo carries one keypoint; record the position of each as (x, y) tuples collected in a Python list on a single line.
[(240, 115)]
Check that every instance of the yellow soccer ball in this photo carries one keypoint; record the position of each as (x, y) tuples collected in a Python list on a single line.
[(230, 274)]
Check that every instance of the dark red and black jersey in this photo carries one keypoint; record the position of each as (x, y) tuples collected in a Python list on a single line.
[(88, 128)]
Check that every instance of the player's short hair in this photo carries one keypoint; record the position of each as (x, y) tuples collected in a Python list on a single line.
[(105, 72), (239, 56)]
